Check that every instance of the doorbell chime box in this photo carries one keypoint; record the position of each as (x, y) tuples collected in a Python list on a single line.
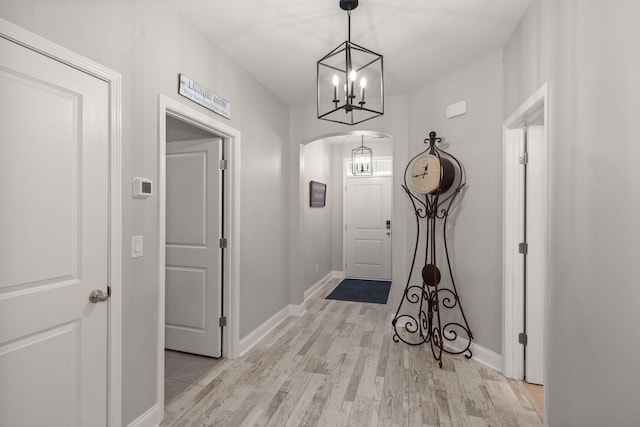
[(142, 188)]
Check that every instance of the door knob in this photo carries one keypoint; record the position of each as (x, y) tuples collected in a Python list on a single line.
[(97, 296)]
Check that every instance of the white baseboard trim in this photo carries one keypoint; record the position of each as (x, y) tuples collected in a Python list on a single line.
[(480, 354), (248, 342), (338, 274), (296, 310), (320, 283), (151, 418), (254, 337)]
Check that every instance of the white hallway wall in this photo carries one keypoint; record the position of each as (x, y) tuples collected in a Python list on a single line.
[(587, 51), (149, 46)]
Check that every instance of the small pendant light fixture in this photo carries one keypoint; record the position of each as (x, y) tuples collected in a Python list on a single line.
[(343, 76), (362, 160)]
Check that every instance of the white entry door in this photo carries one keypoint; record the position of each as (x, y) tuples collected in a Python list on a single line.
[(54, 130), (368, 227), (193, 254)]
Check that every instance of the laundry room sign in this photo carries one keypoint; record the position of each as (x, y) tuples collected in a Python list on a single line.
[(209, 100)]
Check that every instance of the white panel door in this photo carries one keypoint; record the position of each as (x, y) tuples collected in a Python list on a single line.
[(367, 238), (193, 255), (54, 150), (536, 256)]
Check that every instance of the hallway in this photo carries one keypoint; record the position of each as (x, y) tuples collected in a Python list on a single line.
[(337, 365)]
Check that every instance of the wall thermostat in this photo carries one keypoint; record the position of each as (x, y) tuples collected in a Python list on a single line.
[(142, 188)]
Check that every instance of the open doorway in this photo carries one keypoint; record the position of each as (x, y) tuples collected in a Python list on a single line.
[(525, 243), (198, 250), (193, 254)]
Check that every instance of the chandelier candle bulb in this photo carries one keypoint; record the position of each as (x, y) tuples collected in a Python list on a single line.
[(363, 84), (352, 77), (336, 81)]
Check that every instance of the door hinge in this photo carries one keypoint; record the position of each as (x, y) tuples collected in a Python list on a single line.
[(522, 338), (523, 248), (223, 243), (524, 158), (224, 164), (222, 322)]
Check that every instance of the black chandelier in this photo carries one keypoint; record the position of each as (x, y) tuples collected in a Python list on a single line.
[(362, 160), (344, 74)]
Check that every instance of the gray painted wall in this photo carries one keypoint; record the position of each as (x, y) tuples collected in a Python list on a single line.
[(475, 235), (316, 222), (587, 51), (149, 46)]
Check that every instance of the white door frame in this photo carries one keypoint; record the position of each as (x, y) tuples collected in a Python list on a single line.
[(513, 295), (38, 44), (231, 264)]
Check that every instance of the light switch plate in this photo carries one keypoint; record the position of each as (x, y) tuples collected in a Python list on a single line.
[(137, 243)]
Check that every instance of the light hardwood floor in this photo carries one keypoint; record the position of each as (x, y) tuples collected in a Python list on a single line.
[(337, 365), (537, 393)]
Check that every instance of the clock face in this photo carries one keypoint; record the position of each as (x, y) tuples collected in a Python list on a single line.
[(426, 174)]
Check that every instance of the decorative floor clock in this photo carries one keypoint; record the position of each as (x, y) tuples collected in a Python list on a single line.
[(431, 312)]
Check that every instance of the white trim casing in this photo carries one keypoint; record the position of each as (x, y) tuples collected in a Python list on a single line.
[(47, 48), (231, 283)]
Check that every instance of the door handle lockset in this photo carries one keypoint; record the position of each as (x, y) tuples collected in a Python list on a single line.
[(97, 296)]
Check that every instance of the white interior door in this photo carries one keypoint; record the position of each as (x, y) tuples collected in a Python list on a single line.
[(193, 255), (536, 227), (367, 237), (54, 129)]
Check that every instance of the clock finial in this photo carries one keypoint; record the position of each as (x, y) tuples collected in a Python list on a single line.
[(432, 139)]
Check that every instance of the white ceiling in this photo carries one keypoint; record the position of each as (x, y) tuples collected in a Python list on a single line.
[(280, 41)]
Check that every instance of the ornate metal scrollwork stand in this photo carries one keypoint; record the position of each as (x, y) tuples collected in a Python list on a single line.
[(419, 318)]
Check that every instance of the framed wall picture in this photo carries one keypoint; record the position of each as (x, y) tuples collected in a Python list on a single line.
[(317, 194)]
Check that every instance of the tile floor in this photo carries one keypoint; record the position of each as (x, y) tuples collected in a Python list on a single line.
[(183, 369)]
